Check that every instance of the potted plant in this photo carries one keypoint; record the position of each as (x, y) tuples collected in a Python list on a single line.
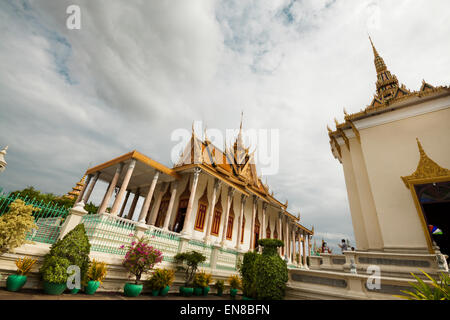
[(154, 286), (16, 281), (139, 259), (73, 249), (96, 273), (161, 281), (219, 285), (192, 259), (201, 283), (235, 284)]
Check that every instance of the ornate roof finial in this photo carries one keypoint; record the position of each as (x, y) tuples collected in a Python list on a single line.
[(422, 152), (387, 84), (336, 122), (329, 130), (206, 135), (345, 112)]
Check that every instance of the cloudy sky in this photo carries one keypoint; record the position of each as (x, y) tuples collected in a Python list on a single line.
[(138, 70)]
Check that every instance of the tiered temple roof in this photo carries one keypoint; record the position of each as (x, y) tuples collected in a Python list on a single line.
[(77, 189)]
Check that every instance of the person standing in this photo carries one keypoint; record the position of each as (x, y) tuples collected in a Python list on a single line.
[(343, 246)]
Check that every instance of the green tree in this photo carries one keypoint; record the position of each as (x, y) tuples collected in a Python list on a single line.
[(192, 259), (15, 225)]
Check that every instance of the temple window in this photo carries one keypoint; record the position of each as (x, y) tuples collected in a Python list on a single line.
[(243, 228), (201, 212), (216, 219), (230, 223)]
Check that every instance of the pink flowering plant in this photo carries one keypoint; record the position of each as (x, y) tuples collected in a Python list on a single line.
[(141, 257)]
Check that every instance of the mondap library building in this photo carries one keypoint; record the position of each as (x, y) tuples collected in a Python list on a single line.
[(394, 154)]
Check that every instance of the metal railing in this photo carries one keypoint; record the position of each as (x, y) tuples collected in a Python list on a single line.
[(48, 219)]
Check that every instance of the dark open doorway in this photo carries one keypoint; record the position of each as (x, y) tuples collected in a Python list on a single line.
[(434, 199)]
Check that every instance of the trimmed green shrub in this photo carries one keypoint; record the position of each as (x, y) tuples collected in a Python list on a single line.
[(271, 272), (248, 274), (55, 270), (15, 225), (73, 249)]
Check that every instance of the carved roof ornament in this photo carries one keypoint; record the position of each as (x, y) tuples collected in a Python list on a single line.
[(426, 169)]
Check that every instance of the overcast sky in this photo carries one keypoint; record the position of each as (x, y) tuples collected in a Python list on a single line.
[(138, 70)]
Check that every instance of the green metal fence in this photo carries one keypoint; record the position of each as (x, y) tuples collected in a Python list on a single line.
[(48, 220)]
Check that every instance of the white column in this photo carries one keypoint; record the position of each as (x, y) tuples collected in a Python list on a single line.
[(210, 214), (263, 231), (304, 250), (80, 195), (148, 198), (124, 204), (123, 187), (110, 190), (170, 207), (133, 204), (151, 218), (286, 236), (280, 214), (187, 219), (227, 214), (252, 229), (293, 244), (91, 187), (241, 220)]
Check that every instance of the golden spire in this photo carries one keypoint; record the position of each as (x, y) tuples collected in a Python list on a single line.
[(386, 84), (380, 66)]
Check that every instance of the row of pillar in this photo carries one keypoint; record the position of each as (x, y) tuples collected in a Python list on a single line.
[(144, 216)]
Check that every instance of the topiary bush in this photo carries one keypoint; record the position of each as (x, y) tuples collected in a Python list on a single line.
[(271, 272), (248, 274), (15, 225), (73, 249)]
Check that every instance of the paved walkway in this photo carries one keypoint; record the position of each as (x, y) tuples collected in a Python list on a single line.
[(27, 294)]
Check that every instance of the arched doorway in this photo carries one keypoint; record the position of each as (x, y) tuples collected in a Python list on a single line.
[(429, 186)]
